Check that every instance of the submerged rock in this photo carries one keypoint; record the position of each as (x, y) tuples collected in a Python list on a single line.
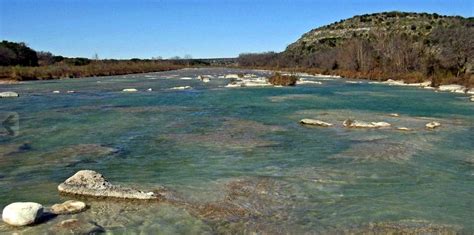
[(8, 94), (68, 207), (22, 213), (75, 226), (91, 183), (379, 150), (432, 125), (78, 153), (404, 227), (394, 115), (233, 133), (315, 122), (472, 98)]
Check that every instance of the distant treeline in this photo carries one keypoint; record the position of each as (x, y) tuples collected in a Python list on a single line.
[(444, 56), (19, 62)]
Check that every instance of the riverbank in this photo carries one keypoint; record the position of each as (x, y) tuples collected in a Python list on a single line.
[(12, 74), (394, 81), (408, 78)]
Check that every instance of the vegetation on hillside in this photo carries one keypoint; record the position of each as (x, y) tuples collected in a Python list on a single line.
[(397, 45)]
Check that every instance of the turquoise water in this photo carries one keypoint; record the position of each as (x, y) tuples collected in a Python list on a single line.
[(233, 150)]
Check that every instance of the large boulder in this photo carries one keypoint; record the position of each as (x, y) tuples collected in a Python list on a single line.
[(91, 183), (315, 122), (8, 94), (68, 207), (22, 213)]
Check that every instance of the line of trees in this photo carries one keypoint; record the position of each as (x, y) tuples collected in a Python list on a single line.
[(12, 53), (19, 62), (445, 56)]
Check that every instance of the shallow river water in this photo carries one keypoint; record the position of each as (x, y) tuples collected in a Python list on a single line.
[(237, 160)]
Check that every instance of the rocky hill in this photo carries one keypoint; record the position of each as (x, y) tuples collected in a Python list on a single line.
[(413, 47), (416, 26)]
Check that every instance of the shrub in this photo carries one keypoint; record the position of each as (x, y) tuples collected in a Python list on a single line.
[(283, 80)]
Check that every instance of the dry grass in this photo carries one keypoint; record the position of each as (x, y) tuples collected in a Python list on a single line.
[(98, 68)]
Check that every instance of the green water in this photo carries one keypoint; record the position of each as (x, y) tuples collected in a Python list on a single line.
[(242, 147)]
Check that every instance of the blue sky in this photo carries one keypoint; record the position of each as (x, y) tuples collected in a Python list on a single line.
[(203, 29)]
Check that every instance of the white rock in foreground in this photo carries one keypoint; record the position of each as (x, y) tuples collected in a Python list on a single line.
[(22, 213), (472, 98), (315, 122), (432, 125), (68, 207), (56, 92), (129, 90), (8, 94), (91, 183), (186, 78)]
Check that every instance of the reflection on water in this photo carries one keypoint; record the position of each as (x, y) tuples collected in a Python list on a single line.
[(237, 160)]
